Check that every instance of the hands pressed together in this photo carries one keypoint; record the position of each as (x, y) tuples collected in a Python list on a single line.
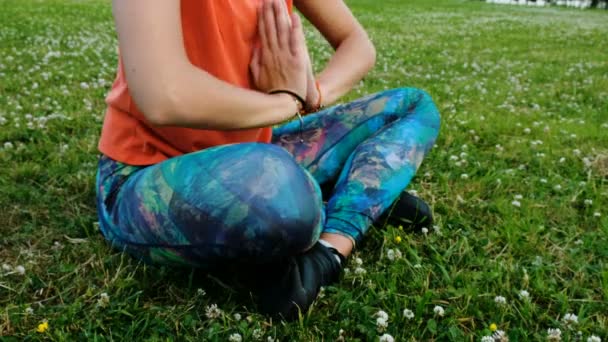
[(281, 61)]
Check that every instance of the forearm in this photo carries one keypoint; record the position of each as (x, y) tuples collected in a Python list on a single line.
[(352, 60), (196, 99)]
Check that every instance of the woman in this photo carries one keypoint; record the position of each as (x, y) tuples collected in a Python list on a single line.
[(192, 172)]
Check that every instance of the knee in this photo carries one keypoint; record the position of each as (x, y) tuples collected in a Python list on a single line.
[(420, 103), (288, 202)]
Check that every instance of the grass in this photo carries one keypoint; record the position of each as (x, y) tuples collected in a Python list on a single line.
[(518, 182)]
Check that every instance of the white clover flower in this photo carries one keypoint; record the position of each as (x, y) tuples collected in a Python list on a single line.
[(578, 242), (257, 334), (453, 157), (6, 267), (200, 292), (381, 314), (387, 338), (393, 254), (29, 310), (518, 197), (237, 316), (576, 152), (562, 160), (487, 339), (212, 311), (358, 261), (543, 180), (8, 145), (381, 324), (523, 294), (20, 269), (588, 202), (104, 300), (594, 338), (438, 310), (236, 337), (516, 203), (425, 230), (407, 313), (500, 300), (554, 334), (597, 214), (417, 266), (527, 130), (360, 271), (464, 176), (557, 187), (570, 318)]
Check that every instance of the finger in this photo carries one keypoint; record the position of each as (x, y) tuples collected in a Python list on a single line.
[(283, 24), (262, 26), (254, 65), (270, 25), (297, 42)]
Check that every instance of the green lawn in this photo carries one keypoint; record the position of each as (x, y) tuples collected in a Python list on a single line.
[(518, 182)]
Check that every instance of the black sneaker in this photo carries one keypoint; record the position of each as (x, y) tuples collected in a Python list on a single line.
[(408, 211)]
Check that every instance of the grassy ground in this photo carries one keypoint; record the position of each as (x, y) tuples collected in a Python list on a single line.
[(518, 182)]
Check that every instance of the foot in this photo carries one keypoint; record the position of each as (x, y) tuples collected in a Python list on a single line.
[(408, 211), (294, 291)]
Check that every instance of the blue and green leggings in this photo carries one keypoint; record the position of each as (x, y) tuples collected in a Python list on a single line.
[(260, 202)]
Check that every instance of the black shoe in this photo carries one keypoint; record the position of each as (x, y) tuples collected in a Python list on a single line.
[(294, 291), (408, 211)]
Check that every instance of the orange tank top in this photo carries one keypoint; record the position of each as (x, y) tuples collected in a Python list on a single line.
[(219, 36)]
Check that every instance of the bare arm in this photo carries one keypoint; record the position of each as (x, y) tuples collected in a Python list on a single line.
[(355, 54), (169, 90)]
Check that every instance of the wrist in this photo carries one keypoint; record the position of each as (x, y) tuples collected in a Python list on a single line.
[(314, 102)]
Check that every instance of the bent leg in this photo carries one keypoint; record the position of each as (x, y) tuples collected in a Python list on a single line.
[(241, 202), (373, 146)]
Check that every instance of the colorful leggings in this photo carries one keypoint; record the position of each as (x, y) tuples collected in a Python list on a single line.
[(261, 202)]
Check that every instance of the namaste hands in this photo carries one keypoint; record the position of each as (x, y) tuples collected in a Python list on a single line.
[(281, 61)]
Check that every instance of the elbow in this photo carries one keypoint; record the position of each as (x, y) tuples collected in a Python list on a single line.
[(370, 52), (160, 108), (371, 59)]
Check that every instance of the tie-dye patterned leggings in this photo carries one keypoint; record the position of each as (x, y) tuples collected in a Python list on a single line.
[(260, 202)]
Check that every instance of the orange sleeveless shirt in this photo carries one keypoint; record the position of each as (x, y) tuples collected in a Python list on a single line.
[(219, 36)]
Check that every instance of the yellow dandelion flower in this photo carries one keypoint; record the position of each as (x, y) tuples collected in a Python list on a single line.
[(398, 239), (493, 327), (42, 327)]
